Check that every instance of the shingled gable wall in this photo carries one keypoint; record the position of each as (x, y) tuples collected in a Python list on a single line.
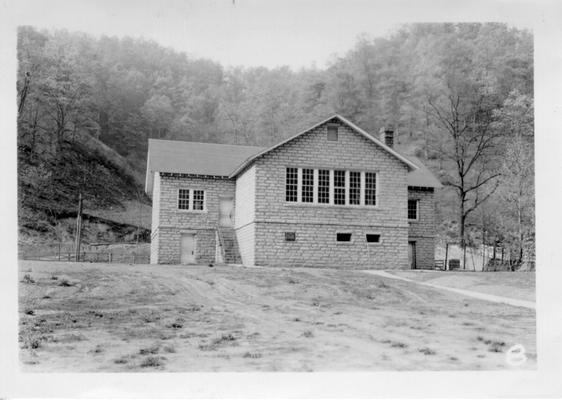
[(170, 222), (316, 225)]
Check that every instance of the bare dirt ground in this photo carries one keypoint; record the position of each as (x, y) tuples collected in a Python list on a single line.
[(116, 317)]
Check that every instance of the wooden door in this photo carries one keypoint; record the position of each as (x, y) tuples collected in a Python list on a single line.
[(226, 211), (412, 254), (187, 248)]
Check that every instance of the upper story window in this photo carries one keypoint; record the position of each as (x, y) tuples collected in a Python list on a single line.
[(198, 200), (355, 188), (183, 199), (291, 184), (332, 133), (335, 187), (339, 187), (190, 199), (412, 210), (370, 189), (324, 186), (307, 192)]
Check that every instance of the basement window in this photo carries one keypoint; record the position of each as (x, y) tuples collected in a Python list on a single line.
[(290, 236), (343, 237), (332, 133), (373, 238)]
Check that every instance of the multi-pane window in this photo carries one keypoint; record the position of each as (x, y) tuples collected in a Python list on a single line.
[(183, 199), (189, 199), (335, 187), (355, 188), (291, 184), (198, 200), (412, 209), (323, 186), (307, 188), (339, 187), (370, 188)]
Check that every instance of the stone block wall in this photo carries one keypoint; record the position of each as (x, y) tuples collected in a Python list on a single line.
[(171, 222), (316, 224), (315, 245), (423, 231)]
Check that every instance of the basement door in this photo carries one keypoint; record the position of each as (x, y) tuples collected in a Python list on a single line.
[(187, 255), (412, 254), (226, 211)]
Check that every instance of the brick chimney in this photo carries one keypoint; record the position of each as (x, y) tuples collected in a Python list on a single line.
[(387, 136)]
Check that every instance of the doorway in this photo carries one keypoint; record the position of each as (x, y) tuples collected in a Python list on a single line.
[(187, 252), (412, 254), (226, 211)]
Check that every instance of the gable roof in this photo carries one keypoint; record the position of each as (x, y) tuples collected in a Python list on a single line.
[(422, 177), (194, 158), (412, 166), (229, 160)]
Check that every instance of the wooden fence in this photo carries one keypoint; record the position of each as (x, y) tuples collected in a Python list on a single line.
[(62, 252)]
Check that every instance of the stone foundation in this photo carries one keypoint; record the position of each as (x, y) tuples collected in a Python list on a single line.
[(316, 246)]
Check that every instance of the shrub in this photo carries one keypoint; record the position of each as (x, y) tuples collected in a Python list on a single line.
[(150, 350), (427, 351), (496, 347), (28, 279), (152, 362), (251, 355), (169, 348), (308, 334), (65, 283)]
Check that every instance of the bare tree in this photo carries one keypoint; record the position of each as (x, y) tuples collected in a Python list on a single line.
[(469, 144)]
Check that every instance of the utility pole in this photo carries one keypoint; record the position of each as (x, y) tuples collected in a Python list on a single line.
[(78, 230)]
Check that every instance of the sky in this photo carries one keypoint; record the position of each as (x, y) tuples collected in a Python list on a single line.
[(270, 33)]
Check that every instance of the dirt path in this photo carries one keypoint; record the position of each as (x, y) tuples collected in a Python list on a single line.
[(469, 293)]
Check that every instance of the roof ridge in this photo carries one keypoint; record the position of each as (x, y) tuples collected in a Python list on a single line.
[(209, 143)]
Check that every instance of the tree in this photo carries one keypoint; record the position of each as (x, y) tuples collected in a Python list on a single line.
[(516, 121), (464, 110)]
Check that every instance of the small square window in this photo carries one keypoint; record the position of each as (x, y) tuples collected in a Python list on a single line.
[(343, 237), (290, 236), (373, 238), (332, 133)]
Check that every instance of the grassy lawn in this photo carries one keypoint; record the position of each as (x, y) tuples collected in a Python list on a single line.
[(117, 317), (518, 285)]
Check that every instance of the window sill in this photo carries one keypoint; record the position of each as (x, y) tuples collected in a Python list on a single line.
[(192, 211), (320, 205)]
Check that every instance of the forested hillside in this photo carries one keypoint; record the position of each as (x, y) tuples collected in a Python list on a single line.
[(460, 96)]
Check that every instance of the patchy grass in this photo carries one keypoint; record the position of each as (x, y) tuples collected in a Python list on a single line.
[(427, 351), (153, 362), (126, 318), (150, 350)]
